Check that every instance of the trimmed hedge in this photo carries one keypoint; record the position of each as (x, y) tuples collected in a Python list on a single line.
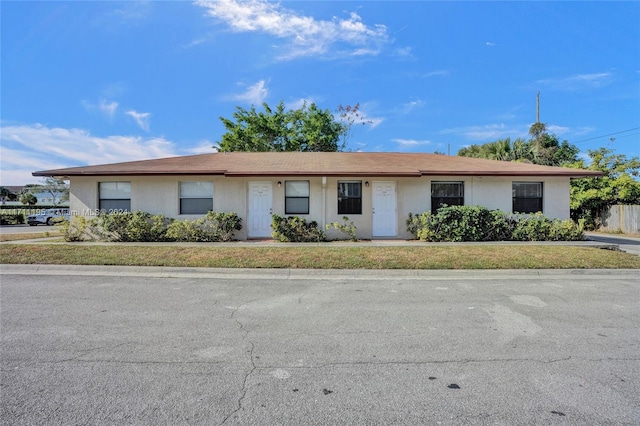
[(140, 226), (476, 223), (295, 229)]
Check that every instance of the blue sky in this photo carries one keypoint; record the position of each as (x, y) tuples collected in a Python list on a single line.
[(99, 82)]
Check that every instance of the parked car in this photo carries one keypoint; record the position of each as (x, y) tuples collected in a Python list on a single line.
[(48, 217)]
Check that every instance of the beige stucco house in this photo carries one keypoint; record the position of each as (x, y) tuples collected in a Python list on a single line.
[(376, 191)]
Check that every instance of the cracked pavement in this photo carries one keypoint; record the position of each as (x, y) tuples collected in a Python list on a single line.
[(506, 349)]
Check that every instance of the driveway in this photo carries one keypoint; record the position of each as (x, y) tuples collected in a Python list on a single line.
[(625, 243), (213, 347)]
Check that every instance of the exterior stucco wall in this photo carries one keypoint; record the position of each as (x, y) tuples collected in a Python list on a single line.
[(160, 195)]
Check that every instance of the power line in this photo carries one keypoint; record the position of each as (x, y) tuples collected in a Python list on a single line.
[(610, 134)]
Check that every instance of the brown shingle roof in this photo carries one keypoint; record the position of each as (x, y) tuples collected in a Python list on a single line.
[(319, 164)]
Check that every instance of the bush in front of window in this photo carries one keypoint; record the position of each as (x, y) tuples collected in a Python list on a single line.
[(134, 226), (537, 227), (295, 229), (460, 223), (140, 226), (476, 223), (347, 227), (214, 227)]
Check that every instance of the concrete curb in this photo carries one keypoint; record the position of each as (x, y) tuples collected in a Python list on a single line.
[(316, 274)]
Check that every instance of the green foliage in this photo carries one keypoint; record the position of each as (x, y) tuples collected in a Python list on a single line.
[(460, 223), (537, 227), (306, 129), (143, 227), (476, 223), (214, 227), (12, 218), (347, 227), (77, 229), (28, 199), (295, 229), (542, 148), (132, 226), (619, 185)]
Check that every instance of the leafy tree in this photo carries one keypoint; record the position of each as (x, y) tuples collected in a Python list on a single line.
[(57, 188), (350, 116), (305, 129), (6, 195), (28, 198), (542, 148), (619, 185)]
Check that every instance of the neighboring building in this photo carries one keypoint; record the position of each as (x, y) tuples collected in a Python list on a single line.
[(44, 197), (377, 191)]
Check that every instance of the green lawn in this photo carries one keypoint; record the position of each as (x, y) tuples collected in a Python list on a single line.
[(343, 257)]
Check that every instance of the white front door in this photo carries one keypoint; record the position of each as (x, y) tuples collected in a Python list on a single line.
[(259, 214), (384, 210)]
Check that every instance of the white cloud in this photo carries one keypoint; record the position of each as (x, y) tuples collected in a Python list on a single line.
[(577, 81), (107, 109), (488, 132), (27, 148), (407, 144), (490, 44), (203, 147), (558, 130), (305, 35), (411, 105), (436, 73), (254, 95), (142, 118), (404, 52), (134, 11)]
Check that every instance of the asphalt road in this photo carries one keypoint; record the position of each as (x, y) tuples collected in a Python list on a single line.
[(293, 347), (26, 229)]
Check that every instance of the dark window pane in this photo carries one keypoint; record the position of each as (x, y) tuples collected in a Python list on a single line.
[(527, 205), (350, 206), (111, 206), (349, 197), (437, 202), (296, 205), (195, 205), (527, 197)]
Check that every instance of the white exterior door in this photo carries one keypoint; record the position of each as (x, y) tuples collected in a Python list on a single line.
[(384, 210), (259, 214)]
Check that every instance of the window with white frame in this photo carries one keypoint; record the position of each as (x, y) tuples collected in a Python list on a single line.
[(196, 197), (527, 197), (350, 197), (114, 197), (446, 194), (296, 197)]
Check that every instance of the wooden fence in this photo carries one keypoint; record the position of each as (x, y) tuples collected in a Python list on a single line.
[(621, 218)]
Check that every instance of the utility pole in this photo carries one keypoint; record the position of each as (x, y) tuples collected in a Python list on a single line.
[(538, 108)]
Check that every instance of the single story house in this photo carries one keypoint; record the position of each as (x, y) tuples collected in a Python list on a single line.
[(376, 191)]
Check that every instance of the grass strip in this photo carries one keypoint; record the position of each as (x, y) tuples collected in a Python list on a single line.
[(28, 236), (447, 257)]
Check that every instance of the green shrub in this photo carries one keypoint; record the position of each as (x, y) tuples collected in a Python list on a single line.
[(132, 226), (295, 229), (347, 227), (475, 223), (537, 227), (12, 218), (214, 227), (77, 229), (460, 223)]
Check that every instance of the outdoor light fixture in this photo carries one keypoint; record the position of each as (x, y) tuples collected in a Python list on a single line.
[(366, 184), (279, 184)]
